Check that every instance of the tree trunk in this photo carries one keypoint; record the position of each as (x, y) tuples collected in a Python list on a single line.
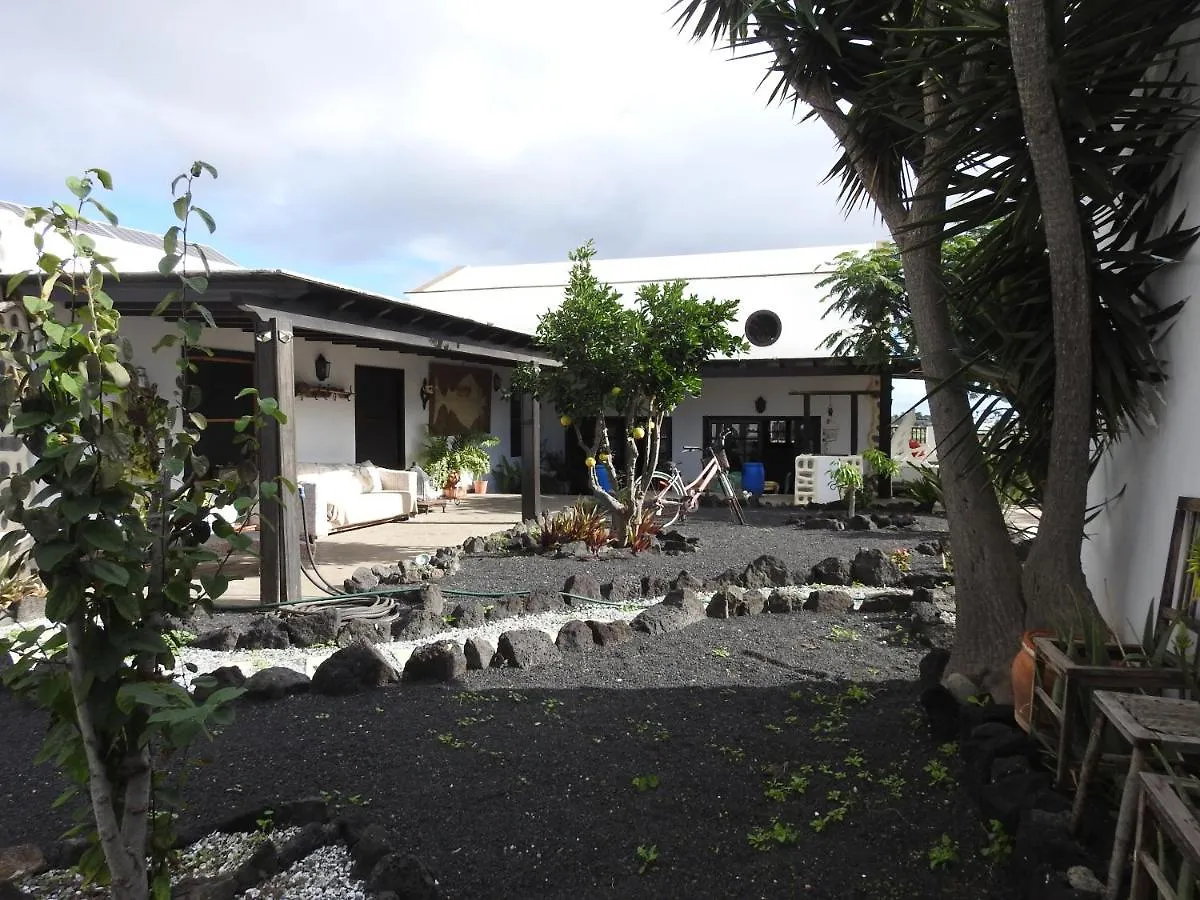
[(1055, 588), (987, 575)]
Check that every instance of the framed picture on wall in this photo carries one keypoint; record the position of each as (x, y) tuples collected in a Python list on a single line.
[(462, 399)]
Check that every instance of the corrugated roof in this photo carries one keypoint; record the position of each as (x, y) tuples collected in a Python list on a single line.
[(129, 235)]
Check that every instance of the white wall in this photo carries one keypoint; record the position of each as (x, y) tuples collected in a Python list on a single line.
[(1125, 556), (324, 428)]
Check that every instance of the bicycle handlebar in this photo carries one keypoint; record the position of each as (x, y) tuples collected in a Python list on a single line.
[(689, 449)]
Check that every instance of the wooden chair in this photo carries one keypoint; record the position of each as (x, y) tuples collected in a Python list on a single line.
[(1144, 722), (1164, 818)]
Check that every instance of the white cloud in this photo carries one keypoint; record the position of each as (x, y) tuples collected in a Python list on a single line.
[(354, 133)]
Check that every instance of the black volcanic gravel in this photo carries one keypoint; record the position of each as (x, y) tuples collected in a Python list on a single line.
[(520, 784)]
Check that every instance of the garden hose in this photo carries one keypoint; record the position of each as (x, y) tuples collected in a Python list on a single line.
[(373, 605)]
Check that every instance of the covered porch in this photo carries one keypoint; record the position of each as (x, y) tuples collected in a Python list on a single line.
[(271, 312)]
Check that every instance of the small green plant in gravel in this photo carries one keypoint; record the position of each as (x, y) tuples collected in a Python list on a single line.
[(894, 784), (856, 693), (644, 783), (779, 790), (551, 706), (777, 834), (939, 774), (843, 634), (450, 740), (647, 857), (835, 814), (266, 821), (950, 748), (733, 754), (999, 846), (720, 652), (944, 853)]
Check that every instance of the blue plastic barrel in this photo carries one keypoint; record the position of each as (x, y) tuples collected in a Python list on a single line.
[(602, 477), (754, 477)]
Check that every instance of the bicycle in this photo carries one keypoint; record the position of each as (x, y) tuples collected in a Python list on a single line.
[(672, 499)]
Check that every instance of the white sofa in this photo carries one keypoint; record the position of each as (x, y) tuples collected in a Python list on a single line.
[(338, 496)]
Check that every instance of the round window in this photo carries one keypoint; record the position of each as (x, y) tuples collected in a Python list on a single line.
[(763, 328)]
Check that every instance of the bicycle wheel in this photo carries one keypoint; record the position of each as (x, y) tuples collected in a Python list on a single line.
[(735, 505), (666, 499)]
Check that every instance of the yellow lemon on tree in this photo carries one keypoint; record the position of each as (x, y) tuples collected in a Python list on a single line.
[(638, 433), (590, 462), (649, 426), (603, 457), (616, 392), (564, 421)]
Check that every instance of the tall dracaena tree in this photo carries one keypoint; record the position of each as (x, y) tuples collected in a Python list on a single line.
[(638, 362), (885, 78), (924, 103), (117, 532)]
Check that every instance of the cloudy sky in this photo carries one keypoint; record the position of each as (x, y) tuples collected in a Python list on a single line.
[(380, 142)]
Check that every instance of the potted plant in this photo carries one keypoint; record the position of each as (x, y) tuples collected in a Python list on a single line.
[(446, 458)]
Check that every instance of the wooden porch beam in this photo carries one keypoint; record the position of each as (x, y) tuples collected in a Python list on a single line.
[(531, 457), (279, 536)]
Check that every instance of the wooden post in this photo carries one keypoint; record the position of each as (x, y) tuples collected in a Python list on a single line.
[(884, 441), (531, 457), (279, 547)]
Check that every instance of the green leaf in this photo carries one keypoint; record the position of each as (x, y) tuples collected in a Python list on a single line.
[(214, 585), (181, 205), (117, 374), (206, 218), (14, 282), (103, 534), (171, 241), (198, 420), (109, 572), (109, 215), (167, 264), (26, 420), (127, 604), (103, 177), (50, 555), (197, 283), (200, 165)]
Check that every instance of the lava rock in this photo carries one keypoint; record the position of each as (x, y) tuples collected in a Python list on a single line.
[(879, 603), (654, 586), (474, 545), (780, 603), (275, 683), (754, 602), (544, 601), (468, 613), (507, 608), (575, 637), (822, 523), (766, 572), (362, 630), (608, 634), (353, 669), (861, 523), (431, 599), (372, 845), (724, 602), (527, 647), (873, 568), (926, 549), (573, 550), (211, 682), (831, 570), (439, 661), (942, 711), (222, 640), (478, 652), (924, 613), (417, 624), (310, 629), (404, 876), (266, 633), (933, 666), (685, 599), (582, 585), (686, 580), (660, 619), (622, 588), (827, 601)]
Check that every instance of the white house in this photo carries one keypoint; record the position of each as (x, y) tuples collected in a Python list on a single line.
[(1142, 478), (786, 395)]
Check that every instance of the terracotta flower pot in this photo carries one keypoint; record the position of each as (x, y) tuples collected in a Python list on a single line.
[(481, 487), (1023, 676)]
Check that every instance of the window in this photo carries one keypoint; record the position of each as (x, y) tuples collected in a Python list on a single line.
[(763, 328)]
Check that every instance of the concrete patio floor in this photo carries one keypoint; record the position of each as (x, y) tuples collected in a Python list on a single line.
[(340, 554)]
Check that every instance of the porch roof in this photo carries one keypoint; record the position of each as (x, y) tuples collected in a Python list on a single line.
[(325, 310)]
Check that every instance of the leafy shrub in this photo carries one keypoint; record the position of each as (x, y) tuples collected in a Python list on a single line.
[(640, 532), (508, 476), (582, 521)]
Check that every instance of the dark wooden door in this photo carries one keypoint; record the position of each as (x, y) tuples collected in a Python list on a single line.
[(379, 416)]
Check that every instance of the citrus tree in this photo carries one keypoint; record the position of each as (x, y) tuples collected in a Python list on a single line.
[(116, 518), (635, 361)]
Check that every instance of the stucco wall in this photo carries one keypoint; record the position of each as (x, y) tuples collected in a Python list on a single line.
[(1126, 553), (324, 428)]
